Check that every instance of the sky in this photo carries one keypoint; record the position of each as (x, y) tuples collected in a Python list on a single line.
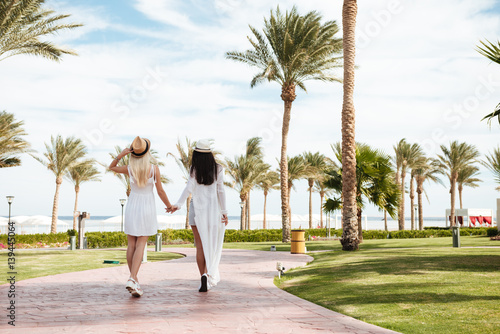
[(156, 68)]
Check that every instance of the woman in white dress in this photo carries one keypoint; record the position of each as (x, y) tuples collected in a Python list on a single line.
[(208, 214), (140, 215)]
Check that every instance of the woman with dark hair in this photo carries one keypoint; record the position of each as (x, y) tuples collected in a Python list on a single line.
[(208, 214)]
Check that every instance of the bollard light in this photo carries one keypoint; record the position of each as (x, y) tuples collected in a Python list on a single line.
[(280, 268), (10, 199)]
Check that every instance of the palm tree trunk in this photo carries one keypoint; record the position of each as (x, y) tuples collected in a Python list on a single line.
[(420, 210), (75, 210), (412, 202), (288, 96), (264, 222), (398, 182), (360, 225), (55, 206), (402, 202), (188, 207), (310, 204), (321, 195), (243, 209), (453, 195), (385, 220), (349, 240), (248, 212), (460, 188)]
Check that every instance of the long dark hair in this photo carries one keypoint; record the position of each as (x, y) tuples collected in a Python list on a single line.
[(203, 167)]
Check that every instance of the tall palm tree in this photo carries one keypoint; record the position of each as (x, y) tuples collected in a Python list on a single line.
[(183, 160), (406, 155), (349, 240), (24, 27), (492, 162), (253, 150), (291, 49), (317, 164), (267, 182), (467, 178), (298, 168), (426, 171), (374, 181), (320, 188), (11, 141), (492, 52), (417, 158), (60, 156), (453, 159), (84, 171)]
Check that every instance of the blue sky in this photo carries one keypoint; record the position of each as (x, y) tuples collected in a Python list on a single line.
[(156, 68)]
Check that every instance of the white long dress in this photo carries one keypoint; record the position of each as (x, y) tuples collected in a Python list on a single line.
[(140, 214), (209, 203)]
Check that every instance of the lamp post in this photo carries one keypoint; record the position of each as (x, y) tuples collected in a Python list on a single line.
[(122, 202), (9, 200), (242, 205)]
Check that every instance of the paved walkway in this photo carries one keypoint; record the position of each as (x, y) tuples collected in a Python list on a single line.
[(245, 301)]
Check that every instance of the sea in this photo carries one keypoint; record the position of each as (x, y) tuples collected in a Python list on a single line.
[(113, 223)]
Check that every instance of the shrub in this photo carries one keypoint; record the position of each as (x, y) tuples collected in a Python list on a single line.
[(492, 232)]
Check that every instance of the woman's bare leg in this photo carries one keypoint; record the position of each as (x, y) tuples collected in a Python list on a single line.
[(200, 257), (130, 250), (137, 257)]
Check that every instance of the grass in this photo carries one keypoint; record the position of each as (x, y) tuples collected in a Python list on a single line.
[(407, 285), (38, 263)]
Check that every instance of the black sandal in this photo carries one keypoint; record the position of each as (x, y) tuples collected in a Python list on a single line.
[(204, 281)]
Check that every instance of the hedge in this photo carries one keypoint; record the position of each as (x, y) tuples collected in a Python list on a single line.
[(170, 236)]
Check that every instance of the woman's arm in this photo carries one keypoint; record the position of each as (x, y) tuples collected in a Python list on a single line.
[(188, 190), (159, 189), (221, 194), (120, 169)]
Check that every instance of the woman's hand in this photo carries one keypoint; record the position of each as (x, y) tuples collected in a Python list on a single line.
[(172, 209), (126, 151), (224, 219)]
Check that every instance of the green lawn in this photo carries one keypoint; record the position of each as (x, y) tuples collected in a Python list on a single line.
[(411, 286), (37, 263)]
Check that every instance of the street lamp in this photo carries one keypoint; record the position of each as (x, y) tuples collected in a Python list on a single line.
[(9, 200), (122, 202), (242, 205)]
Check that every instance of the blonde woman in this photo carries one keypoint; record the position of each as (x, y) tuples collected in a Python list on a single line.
[(140, 215)]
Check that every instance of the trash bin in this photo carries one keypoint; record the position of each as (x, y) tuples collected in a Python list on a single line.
[(85, 243), (298, 242), (456, 236), (72, 242), (158, 242)]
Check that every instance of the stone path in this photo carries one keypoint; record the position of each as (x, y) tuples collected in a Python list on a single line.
[(245, 301)]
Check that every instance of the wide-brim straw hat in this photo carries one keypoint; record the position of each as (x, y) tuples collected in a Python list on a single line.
[(203, 146), (140, 146)]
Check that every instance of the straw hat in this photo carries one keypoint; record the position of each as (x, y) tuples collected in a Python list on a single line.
[(140, 146), (203, 146)]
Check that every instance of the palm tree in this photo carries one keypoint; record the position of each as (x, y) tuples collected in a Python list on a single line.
[(253, 149), (492, 52), (407, 155), (184, 163), (61, 155), (466, 177), (320, 188), (268, 181), (298, 168), (349, 240), (84, 171), (374, 181), (426, 171), (11, 141), (417, 158), (317, 164), (24, 26), (493, 164), (293, 48), (453, 159)]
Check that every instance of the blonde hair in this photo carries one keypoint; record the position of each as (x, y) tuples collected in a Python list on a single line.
[(141, 168)]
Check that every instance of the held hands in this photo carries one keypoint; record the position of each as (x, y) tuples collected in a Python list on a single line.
[(172, 209), (224, 219)]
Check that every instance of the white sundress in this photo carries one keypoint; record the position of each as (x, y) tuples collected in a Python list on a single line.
[(209, 203), (140, 214)]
